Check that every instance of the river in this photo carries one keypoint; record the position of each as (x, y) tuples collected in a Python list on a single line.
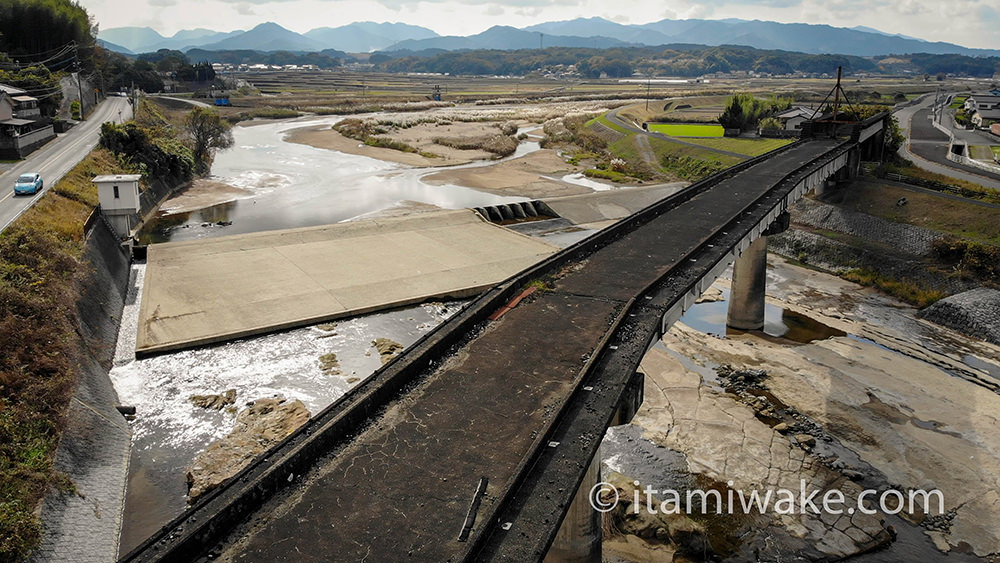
[(287, 185)]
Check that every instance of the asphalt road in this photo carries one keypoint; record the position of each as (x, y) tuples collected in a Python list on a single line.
[(57, 158), (927, 147)]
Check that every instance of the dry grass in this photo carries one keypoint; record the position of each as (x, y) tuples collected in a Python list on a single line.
[(903, 290), (965, 219), (39, 271)]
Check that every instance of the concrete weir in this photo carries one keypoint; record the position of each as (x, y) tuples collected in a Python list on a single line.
[(201, 292)]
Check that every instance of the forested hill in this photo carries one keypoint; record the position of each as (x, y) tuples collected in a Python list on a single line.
[(40, 31), (675, 60)]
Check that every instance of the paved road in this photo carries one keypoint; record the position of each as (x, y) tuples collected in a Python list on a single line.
[(927, 146), (186, 101), (57, 158)]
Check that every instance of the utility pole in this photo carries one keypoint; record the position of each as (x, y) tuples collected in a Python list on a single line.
[(79, 85), (648, 78)]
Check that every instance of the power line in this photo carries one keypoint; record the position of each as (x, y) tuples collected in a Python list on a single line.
[(46, 53)]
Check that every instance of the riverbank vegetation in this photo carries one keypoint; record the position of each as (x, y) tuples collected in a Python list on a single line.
[(40, 270)]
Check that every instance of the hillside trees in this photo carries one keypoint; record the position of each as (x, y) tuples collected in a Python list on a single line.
[(34, 30)]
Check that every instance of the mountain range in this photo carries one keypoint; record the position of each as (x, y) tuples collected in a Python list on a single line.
[(595, 32)]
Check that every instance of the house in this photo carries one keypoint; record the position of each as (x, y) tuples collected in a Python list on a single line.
[(792, 119), (985, 117), (22, 127), (983, 107), (982, 100), (26, 107)]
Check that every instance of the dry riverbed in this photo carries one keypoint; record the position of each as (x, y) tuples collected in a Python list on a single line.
[(894, 403)]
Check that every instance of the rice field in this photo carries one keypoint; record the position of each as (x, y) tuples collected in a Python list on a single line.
[(687, 129)]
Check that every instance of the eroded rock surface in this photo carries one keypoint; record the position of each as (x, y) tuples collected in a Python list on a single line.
[(263, 424), (215, 402)]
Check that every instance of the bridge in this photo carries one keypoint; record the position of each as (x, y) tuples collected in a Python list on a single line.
[(478, 443)]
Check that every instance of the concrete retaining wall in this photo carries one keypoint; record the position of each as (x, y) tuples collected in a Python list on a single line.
[(962, 157), (96, 443)]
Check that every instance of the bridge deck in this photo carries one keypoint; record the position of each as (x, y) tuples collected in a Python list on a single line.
[(403, 485)]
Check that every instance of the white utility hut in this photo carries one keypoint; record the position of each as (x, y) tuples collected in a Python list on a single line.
[(118, 195)]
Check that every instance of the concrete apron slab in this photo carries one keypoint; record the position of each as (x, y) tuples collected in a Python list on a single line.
[(209, 291)]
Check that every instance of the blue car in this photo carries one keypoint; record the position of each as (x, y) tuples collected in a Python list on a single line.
[(30, 183)]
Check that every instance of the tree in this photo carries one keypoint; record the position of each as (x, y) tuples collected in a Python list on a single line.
[(208, 132)]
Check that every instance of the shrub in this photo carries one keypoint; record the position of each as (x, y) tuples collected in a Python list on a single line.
[(982, 260), (508, 128)]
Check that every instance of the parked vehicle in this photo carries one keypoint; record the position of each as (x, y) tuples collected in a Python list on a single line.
[(30, 183)]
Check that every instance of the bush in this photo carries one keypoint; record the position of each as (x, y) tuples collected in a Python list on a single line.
[(906, 291), (982, 260), (74, 109), (508, 128)]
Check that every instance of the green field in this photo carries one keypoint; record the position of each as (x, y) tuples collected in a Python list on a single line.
[(749, 147), (687, 129)]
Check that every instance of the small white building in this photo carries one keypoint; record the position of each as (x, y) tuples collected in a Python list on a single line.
[(793, 118), (118, 195)]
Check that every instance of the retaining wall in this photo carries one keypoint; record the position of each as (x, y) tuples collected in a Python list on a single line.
[(96, 443)]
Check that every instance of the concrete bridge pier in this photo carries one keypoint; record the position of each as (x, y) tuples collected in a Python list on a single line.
[(580, 535), (579, 538), (746, 296)]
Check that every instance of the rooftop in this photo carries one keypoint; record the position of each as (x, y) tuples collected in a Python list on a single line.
[(117, 178)]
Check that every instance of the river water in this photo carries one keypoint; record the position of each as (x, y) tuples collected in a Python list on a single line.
[(291, 185)]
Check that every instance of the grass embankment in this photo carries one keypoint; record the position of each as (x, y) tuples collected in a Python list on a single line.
[(970, 248), (953, 216), (749, 147), (941, 182), (39, 269), (658, 159)]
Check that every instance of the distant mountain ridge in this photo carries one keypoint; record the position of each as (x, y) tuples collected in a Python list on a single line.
[(506, 38), (361, 37), (800, 37)]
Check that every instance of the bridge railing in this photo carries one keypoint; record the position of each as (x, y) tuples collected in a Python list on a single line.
[(218, 512), (594, 401)]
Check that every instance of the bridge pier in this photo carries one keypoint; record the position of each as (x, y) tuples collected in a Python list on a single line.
[(579, 539), (746, 296)]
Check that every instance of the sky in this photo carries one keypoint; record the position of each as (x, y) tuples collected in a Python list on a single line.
[(971, 23)]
